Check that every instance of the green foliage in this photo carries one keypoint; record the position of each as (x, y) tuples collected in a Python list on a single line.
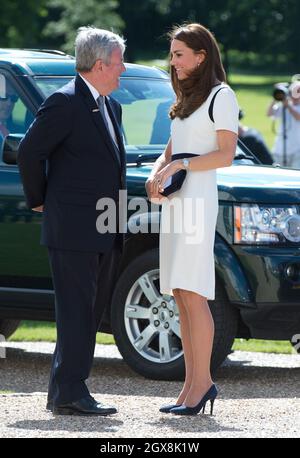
[(252, 34), (73, 14), (266, 28), (260, 63), (21, 22)]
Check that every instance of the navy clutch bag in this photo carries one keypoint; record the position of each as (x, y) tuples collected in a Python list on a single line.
[(176, 180)]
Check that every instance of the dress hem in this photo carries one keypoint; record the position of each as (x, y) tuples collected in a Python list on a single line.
[(209, 297)]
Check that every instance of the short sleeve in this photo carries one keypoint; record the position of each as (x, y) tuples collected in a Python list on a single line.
[(226, 111)]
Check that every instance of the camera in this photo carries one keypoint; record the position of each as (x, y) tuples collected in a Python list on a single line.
[(281, 91)]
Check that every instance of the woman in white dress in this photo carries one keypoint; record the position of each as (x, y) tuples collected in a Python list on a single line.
[(189, 215)]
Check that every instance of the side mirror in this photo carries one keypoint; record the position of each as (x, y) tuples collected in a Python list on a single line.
[(10, 148)]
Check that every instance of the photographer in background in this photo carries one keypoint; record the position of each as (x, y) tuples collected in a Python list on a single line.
[(286, 107), (254, 140)]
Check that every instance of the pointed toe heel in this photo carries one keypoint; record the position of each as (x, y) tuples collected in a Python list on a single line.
[(167, 408), (211, 395)]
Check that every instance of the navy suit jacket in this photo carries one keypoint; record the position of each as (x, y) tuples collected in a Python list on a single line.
[(67, 162)]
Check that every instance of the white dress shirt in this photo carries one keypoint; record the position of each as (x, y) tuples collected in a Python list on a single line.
[(96, 94)]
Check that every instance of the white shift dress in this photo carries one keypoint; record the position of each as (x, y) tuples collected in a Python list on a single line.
[(188, 217)]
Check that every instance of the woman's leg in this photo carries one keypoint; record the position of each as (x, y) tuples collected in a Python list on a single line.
[(201, 330), (186, 345)]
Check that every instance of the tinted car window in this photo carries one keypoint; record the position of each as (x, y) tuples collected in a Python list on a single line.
[(15, 117), (50, 85), (145, 105)]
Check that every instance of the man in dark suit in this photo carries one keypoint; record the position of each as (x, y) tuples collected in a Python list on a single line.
[(72, 156)]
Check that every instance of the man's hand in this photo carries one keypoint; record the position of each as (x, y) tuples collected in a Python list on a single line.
[(38, 209)]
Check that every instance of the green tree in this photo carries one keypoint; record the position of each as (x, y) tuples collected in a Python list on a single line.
[(71, 14), (21, 22), (148, 22), (270, 29)]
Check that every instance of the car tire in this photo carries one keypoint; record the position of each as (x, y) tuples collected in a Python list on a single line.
[(8, 327), (226, 323), (126, 334)]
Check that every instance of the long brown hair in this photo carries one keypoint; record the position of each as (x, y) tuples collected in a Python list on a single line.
[(193, 91)]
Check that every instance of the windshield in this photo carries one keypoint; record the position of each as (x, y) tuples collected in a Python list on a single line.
[(145, 105), (51, 84)]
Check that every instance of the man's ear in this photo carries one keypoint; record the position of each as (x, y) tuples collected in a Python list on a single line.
[(98, 65)]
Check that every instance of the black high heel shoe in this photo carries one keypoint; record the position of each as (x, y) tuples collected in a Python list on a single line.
[(167, 408), (211, 395)]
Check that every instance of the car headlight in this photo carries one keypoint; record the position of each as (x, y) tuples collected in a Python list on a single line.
[(261, 224)]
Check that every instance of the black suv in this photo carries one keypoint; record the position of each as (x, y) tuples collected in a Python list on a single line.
[(257, 245)]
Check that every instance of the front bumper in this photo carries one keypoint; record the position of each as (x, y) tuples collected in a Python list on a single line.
[(272, 321), (273, 273)]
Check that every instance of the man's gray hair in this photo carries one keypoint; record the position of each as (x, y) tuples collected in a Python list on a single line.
[(92, 44)]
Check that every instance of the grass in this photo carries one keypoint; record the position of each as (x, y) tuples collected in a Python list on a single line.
[(254, 94), (263, 346), (37, 331)]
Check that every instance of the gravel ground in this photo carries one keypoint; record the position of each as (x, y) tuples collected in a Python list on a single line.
[(259, 396)]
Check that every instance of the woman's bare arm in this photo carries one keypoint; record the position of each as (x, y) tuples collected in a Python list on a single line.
[(222, 157)]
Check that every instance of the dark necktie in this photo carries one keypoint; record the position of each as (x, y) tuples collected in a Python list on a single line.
[(101, 102)]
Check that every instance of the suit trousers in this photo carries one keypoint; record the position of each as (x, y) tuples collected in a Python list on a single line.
[(83, 284)]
